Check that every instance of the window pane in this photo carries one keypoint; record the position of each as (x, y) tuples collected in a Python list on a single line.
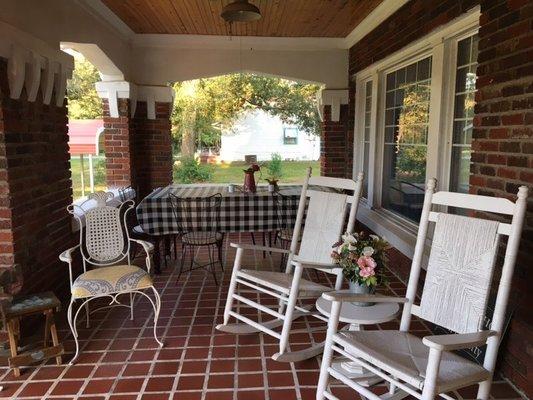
[(405, 152), (465, 85)]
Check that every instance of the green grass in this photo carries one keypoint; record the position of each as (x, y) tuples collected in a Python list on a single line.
[(293, 171), (99, 175)]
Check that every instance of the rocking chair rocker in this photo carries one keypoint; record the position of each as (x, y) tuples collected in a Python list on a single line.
[(323, 226), (455, 295)]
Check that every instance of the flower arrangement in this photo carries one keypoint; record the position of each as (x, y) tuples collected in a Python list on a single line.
[(361, 257)]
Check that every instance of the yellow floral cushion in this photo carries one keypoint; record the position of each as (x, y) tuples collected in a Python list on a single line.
[(108, 280)]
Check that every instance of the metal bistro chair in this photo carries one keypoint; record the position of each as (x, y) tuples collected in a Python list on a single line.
[(198, 221), (455, 295), (105, 246)]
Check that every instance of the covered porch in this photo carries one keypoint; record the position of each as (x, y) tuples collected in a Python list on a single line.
[(476, 135)]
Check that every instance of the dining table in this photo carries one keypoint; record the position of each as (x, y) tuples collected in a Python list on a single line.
[(239, 211)]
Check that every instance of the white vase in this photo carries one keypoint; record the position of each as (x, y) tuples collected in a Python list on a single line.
[(361, 289)]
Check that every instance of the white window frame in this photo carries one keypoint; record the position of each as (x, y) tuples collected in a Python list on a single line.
[(441, 45)]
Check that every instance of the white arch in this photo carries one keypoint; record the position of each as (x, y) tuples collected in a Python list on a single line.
[(107, 68)]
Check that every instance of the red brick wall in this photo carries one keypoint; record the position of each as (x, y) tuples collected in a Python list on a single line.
[(503, 145), (35, 189), (118, 138), (333, 140), (153, 147), (503, 149)]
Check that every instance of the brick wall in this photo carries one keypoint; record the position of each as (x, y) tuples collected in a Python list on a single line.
[(35, 189), (333, 139), (502, 146), (153, 147), (503, 149), (118, 139)]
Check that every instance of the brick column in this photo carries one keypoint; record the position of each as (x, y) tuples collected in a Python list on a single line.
[(118, 139), (335, 151), (35, 186), (153, 147), (137, 135), (502, 157)]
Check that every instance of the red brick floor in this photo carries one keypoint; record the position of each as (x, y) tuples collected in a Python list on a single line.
[(120, 360)]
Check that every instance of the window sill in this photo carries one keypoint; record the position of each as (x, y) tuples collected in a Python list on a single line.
[(83, 204), (400, 234)]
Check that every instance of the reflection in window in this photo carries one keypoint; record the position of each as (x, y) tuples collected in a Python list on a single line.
[(290, 135), (465, 86), (366, 136), (406, 130)]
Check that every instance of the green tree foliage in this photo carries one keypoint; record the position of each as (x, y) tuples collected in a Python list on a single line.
[(83, 101), (204, 106)]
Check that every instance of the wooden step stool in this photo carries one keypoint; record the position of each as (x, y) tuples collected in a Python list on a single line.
[(24, 306)]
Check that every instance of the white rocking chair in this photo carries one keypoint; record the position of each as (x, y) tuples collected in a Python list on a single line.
[(323, 226), (104, 243), (454, 296)]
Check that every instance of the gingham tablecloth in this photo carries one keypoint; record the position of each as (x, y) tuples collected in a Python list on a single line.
[(239, 212)]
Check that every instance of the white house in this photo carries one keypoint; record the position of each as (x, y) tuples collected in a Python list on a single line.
[(257, 132)]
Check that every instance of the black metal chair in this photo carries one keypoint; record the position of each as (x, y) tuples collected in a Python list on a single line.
[(198, 220)]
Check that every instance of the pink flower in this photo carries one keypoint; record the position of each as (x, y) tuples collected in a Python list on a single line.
[(367, 272), (366, 262)]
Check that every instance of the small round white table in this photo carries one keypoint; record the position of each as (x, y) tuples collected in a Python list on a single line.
[(357, 317)]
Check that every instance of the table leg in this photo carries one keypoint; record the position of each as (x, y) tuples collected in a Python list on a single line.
[(13, 344), (53, 333)]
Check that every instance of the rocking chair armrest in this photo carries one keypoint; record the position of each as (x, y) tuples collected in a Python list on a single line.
[(457, 341), (66, 256), (147, 246), (259, 248), (343, 296), (314, 264)]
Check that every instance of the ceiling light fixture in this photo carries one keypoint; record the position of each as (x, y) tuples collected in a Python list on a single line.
[(240, 11)]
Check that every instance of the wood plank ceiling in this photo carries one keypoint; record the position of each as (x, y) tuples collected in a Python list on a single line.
[(286, 18)]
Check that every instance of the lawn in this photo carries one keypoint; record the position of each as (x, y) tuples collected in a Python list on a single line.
[(293, 171), (99, 175)]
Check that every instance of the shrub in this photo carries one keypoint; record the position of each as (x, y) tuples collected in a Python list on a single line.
[(274, 167), (189, 170)]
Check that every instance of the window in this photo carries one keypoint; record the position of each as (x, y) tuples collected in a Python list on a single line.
[(413, 121), (290, 135), (463, 113), (366, 136), (406, 122)]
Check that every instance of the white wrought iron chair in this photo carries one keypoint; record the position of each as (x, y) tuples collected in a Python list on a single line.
[(454, 296), (324, 222), (105, 245)]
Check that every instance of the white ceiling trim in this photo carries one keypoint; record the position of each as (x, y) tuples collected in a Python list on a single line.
[(373, 20)]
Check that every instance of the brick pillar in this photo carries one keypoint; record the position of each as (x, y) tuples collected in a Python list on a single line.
[(334, 151), (118, 138), (153, 147), (503, 152), (35, 188)]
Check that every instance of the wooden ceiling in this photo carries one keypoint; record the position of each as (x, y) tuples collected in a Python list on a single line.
[(282, 18)]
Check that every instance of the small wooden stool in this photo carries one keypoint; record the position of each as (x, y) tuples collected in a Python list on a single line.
[(25, 306)]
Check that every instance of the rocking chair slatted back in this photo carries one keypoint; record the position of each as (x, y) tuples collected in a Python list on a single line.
[(461, 235), (325, 218), (103, 240), (459, 272)]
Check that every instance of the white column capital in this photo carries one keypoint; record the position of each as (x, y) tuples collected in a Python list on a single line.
[(333, 98), (34, 64), (114, 90)]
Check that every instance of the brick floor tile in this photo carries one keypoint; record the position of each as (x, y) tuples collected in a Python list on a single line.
[(128, 385), (67, 387), (221, 381), (35, 389), (190, 382), (98, 386), (136, 370)]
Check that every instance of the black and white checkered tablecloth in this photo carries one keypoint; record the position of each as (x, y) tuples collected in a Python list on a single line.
[(239, 212)]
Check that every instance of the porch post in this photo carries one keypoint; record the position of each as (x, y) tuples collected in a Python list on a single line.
[(35, 184), (335, 148), (137, 135)]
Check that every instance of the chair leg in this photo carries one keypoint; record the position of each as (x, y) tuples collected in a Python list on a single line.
[(72, 325), (291, 304), (232, 285), (87, 324), (53, 333), (219, 249), (157, 310), (212, 264), (13, 346), (327, 356), (484, 389), (182, 261), (132, 296)]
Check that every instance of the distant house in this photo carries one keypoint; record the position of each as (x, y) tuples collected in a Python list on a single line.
[(259, 133)]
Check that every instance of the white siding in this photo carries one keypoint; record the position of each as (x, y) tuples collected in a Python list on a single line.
[(259, 133)]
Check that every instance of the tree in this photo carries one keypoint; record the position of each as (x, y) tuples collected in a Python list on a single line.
[(203, 107), (83, 101)]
